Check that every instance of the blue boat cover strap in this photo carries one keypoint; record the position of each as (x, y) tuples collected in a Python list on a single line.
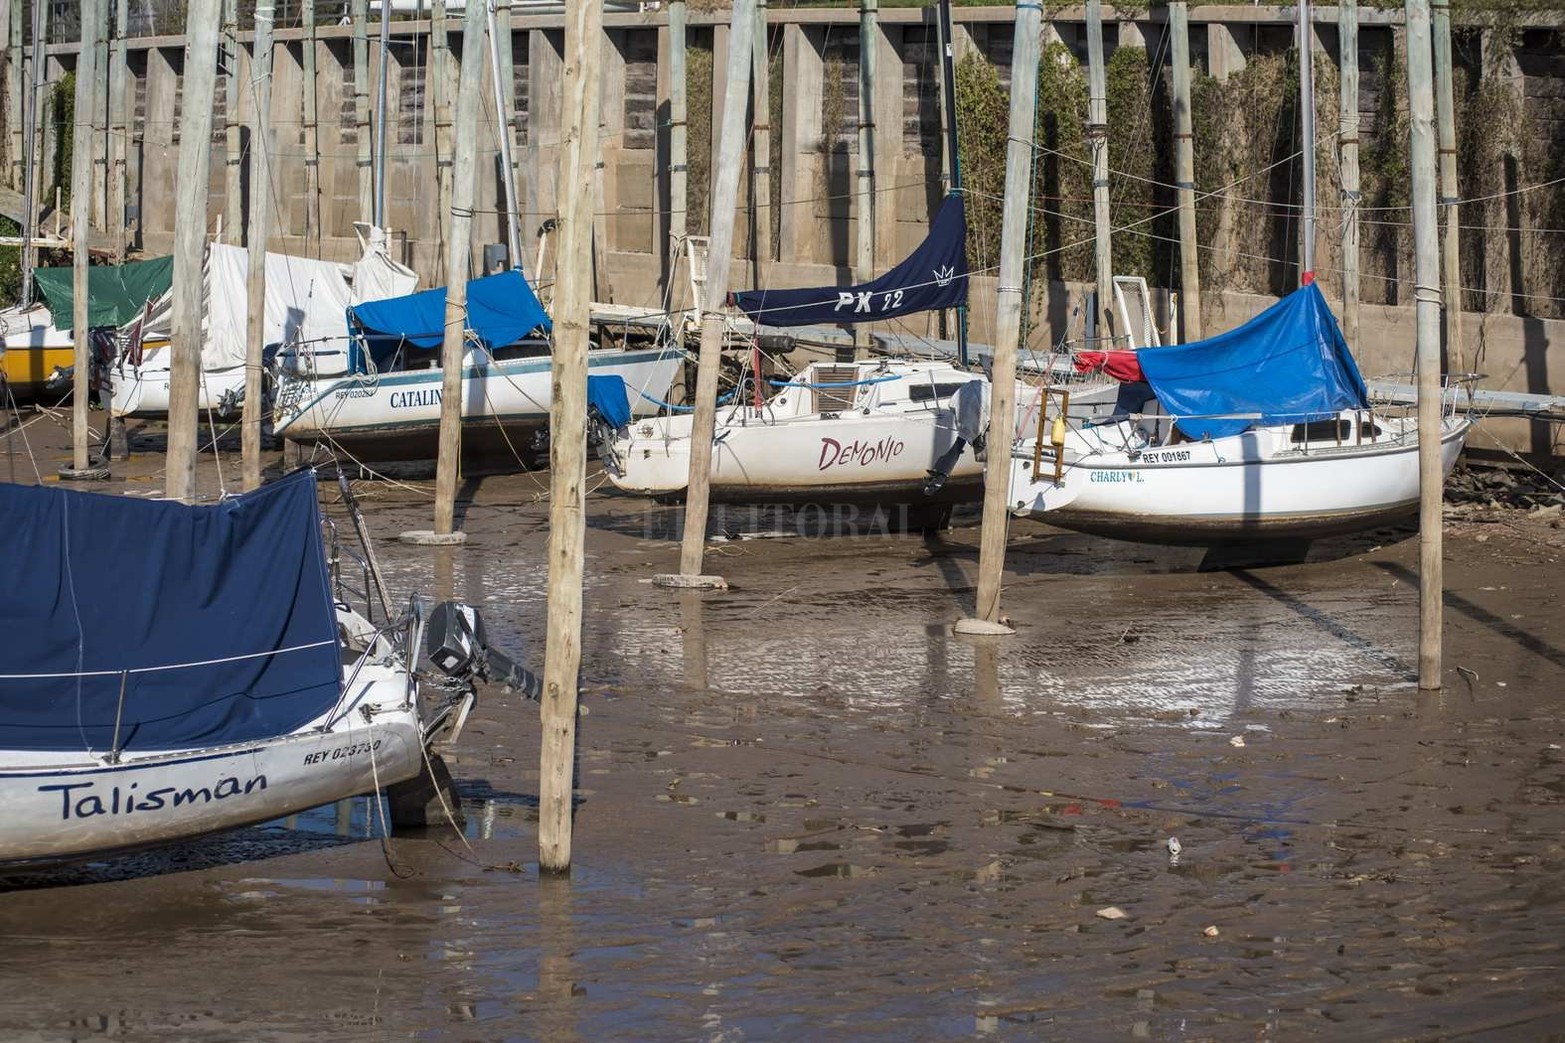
[(501, 310), (608, 396), (1288, 365), (933, 276), (100, 585)]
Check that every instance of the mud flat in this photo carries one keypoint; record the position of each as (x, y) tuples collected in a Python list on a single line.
[(806, 811)]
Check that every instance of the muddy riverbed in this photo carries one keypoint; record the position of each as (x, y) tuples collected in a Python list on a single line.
[(807, 811)]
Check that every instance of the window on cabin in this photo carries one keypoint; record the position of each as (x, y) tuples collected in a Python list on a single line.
[(1323, 431), (933, 392)]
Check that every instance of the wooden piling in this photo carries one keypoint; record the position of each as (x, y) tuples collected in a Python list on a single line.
[(312, 140), (678, 194), (1008, 319), (233, 197), (458, 255), (440, 77), (725, 194), (864, 223), (81, 233), (1098, 146), (568, 432), (1445, 118), (1348, 162), (1426, 296), (119, 131), (195, 168), (256, 236), (1184, 174), (360, 15)]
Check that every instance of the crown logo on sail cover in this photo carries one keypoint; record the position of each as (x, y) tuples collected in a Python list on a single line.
[(943, 276)]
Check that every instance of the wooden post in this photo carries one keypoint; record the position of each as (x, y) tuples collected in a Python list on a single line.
[(233, 198), (1426, 296), (864, 263), (1348, 162), (1184, 175), (195, 168), (568, 432), (360, 15), (312, 139), (1008, 320), (725, 196), (1445, 114), (119, 129), (100, 119), (678, 194), (13, 91), (761, 145), (1098, 144), (440, 57), (81, 231), (256, 235), (459, 252), (31, 147)]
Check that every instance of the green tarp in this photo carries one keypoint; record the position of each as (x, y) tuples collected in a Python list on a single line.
[(115, 293)]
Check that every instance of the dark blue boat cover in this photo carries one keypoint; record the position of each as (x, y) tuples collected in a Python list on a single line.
[(501, 310), (607, 393), (111, 583), (933, 276), (1289, 365)]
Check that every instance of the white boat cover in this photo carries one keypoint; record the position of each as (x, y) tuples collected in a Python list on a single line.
[(306, 300), (376, 276)]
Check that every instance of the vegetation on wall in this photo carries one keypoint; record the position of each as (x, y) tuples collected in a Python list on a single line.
[(62, 111), (698, 132)]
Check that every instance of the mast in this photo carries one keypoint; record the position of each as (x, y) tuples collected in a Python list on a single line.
[(256, 236), (1098, 143), (1348, 162), (81, 230), (1307, 142), (953, 152), (502, 97), (1184, 175), (380, 115)]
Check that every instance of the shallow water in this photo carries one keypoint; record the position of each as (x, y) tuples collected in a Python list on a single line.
[(805, 810)]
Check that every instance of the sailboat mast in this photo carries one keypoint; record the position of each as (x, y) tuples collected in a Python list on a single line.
[(32, 99), (513, 229), (1307, 143), (953, 153), (380, 115)]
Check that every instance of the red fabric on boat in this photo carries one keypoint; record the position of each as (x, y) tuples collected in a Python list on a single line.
[(1121, 365)]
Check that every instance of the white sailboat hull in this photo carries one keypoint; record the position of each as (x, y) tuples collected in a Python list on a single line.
[(56, 806), (800, 458), (396, 416), (143, 391), (1227, 489)]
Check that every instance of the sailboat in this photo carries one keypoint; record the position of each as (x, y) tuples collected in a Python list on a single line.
[(305, 303), (376, 393), (1262, 432), (172, 671)]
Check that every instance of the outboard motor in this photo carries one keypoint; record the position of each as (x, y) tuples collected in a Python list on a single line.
[(456, 643), (970, 404)]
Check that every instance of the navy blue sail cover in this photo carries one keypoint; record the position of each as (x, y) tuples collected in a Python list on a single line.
[(933, 276), (102, 584), (1288, 365), (501, 309)]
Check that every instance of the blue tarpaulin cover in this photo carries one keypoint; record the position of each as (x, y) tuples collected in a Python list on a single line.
[(607, 394), (933, 276), (501, 309), (112, 583), (1289, 364)]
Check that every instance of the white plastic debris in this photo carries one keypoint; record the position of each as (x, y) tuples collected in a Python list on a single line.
[(1112, 912), (1174, 847), (1237, 740), (1212, 931)]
